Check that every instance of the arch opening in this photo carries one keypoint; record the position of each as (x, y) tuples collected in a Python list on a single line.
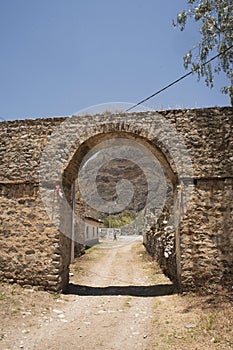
[(142, 218)]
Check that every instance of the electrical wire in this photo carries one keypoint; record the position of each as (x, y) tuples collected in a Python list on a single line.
[(178, 80)]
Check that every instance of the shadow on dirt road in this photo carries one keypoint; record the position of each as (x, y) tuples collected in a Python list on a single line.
[(136, 291)]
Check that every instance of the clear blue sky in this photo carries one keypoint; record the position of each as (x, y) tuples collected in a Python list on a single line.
[(61, 56)]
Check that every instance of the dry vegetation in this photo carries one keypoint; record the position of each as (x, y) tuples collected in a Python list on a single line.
[(191, 321)]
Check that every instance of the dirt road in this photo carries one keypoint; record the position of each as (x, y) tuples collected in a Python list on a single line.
[(118, 300), (110, 310)]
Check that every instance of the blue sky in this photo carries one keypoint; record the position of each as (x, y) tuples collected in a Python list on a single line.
[(61, 56)]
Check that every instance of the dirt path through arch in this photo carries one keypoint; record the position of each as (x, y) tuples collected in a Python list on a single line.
[(118, 300)]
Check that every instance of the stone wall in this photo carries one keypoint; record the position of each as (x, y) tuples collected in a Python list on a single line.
[(206, 132), (30, 245), (34, 251), (205, 239), (206, 236), (160, 242)]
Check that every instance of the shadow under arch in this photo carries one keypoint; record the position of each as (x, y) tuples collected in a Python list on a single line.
[(136, 291)]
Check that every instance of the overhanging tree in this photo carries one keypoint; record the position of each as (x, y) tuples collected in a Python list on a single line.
[(216, 28)]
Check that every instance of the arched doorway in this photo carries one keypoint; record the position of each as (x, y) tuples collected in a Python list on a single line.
[(80, 140)]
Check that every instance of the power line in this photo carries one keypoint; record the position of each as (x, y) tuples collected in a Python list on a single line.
[(181, 78)]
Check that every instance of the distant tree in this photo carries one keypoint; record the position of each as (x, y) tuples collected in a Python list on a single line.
[(216, 28), (120, 220)]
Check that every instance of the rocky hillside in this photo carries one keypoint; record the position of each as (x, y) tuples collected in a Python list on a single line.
[(105, 180)]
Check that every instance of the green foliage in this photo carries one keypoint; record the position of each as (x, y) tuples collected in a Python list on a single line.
[(56, 296), (121, 220), (215, 18)]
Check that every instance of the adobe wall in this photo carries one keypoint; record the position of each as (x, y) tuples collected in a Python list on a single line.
[(33, 251)]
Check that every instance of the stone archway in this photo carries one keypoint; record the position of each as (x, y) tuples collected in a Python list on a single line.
[(35, 154), (148, 137)]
